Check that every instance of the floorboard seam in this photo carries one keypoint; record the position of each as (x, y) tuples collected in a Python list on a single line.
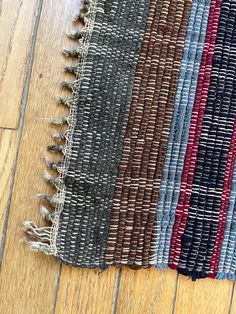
[(56, 289), (116, 292), (231, 298), (175, 294)]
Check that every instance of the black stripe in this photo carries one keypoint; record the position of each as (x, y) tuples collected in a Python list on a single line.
[(200, 234)]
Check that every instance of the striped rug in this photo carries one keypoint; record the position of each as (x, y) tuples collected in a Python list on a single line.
[(148, 171)]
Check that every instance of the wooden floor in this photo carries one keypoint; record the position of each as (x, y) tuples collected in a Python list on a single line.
[(32, 34)]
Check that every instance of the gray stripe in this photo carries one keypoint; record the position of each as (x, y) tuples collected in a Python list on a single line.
[(102, 113)]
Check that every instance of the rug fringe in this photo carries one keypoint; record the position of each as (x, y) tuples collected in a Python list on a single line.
[(43, 239)]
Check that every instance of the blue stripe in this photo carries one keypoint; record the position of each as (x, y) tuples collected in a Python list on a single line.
[(174, 161)]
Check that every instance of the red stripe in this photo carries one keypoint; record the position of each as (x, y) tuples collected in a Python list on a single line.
[(194, 133)]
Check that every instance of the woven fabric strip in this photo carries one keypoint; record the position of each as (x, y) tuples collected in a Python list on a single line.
[(224, 206), (227, 263), (99, 129), (171, 177), (200, 234), (132, 237), (194, 133)]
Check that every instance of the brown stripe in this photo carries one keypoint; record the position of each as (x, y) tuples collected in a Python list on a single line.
[(133, 228)]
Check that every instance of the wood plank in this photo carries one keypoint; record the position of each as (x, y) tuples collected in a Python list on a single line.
[(86, 291), (28, 280), (8, 144), (203, 296), (146, 291), (17, 19)]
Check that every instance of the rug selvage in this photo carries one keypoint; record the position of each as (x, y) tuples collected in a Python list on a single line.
[(99, 130)]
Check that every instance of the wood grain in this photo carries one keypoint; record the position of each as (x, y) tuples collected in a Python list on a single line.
[(8, 144), (86, 291), (17, 21), (204, 296), (146, 291), (28, 280)]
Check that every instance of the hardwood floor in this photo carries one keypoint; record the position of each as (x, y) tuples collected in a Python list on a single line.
[(32, 35)]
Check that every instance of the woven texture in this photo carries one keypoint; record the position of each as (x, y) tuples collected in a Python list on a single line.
[(227, 263), (171, 177), (101, 120), (194, 133), (211, 160), (134, 208), (148, 171)]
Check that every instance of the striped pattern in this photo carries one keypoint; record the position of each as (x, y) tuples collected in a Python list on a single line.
[(148, 176), (194, 134), (198, 239), (133, 216), (101, 120), (171, 177)]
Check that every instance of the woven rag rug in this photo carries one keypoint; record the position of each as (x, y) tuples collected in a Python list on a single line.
[(148, 174)]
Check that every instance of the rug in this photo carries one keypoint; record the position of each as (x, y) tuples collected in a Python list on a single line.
[(148, 173)]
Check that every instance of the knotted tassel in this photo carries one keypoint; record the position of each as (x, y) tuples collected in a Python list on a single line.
[(56, 148)]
